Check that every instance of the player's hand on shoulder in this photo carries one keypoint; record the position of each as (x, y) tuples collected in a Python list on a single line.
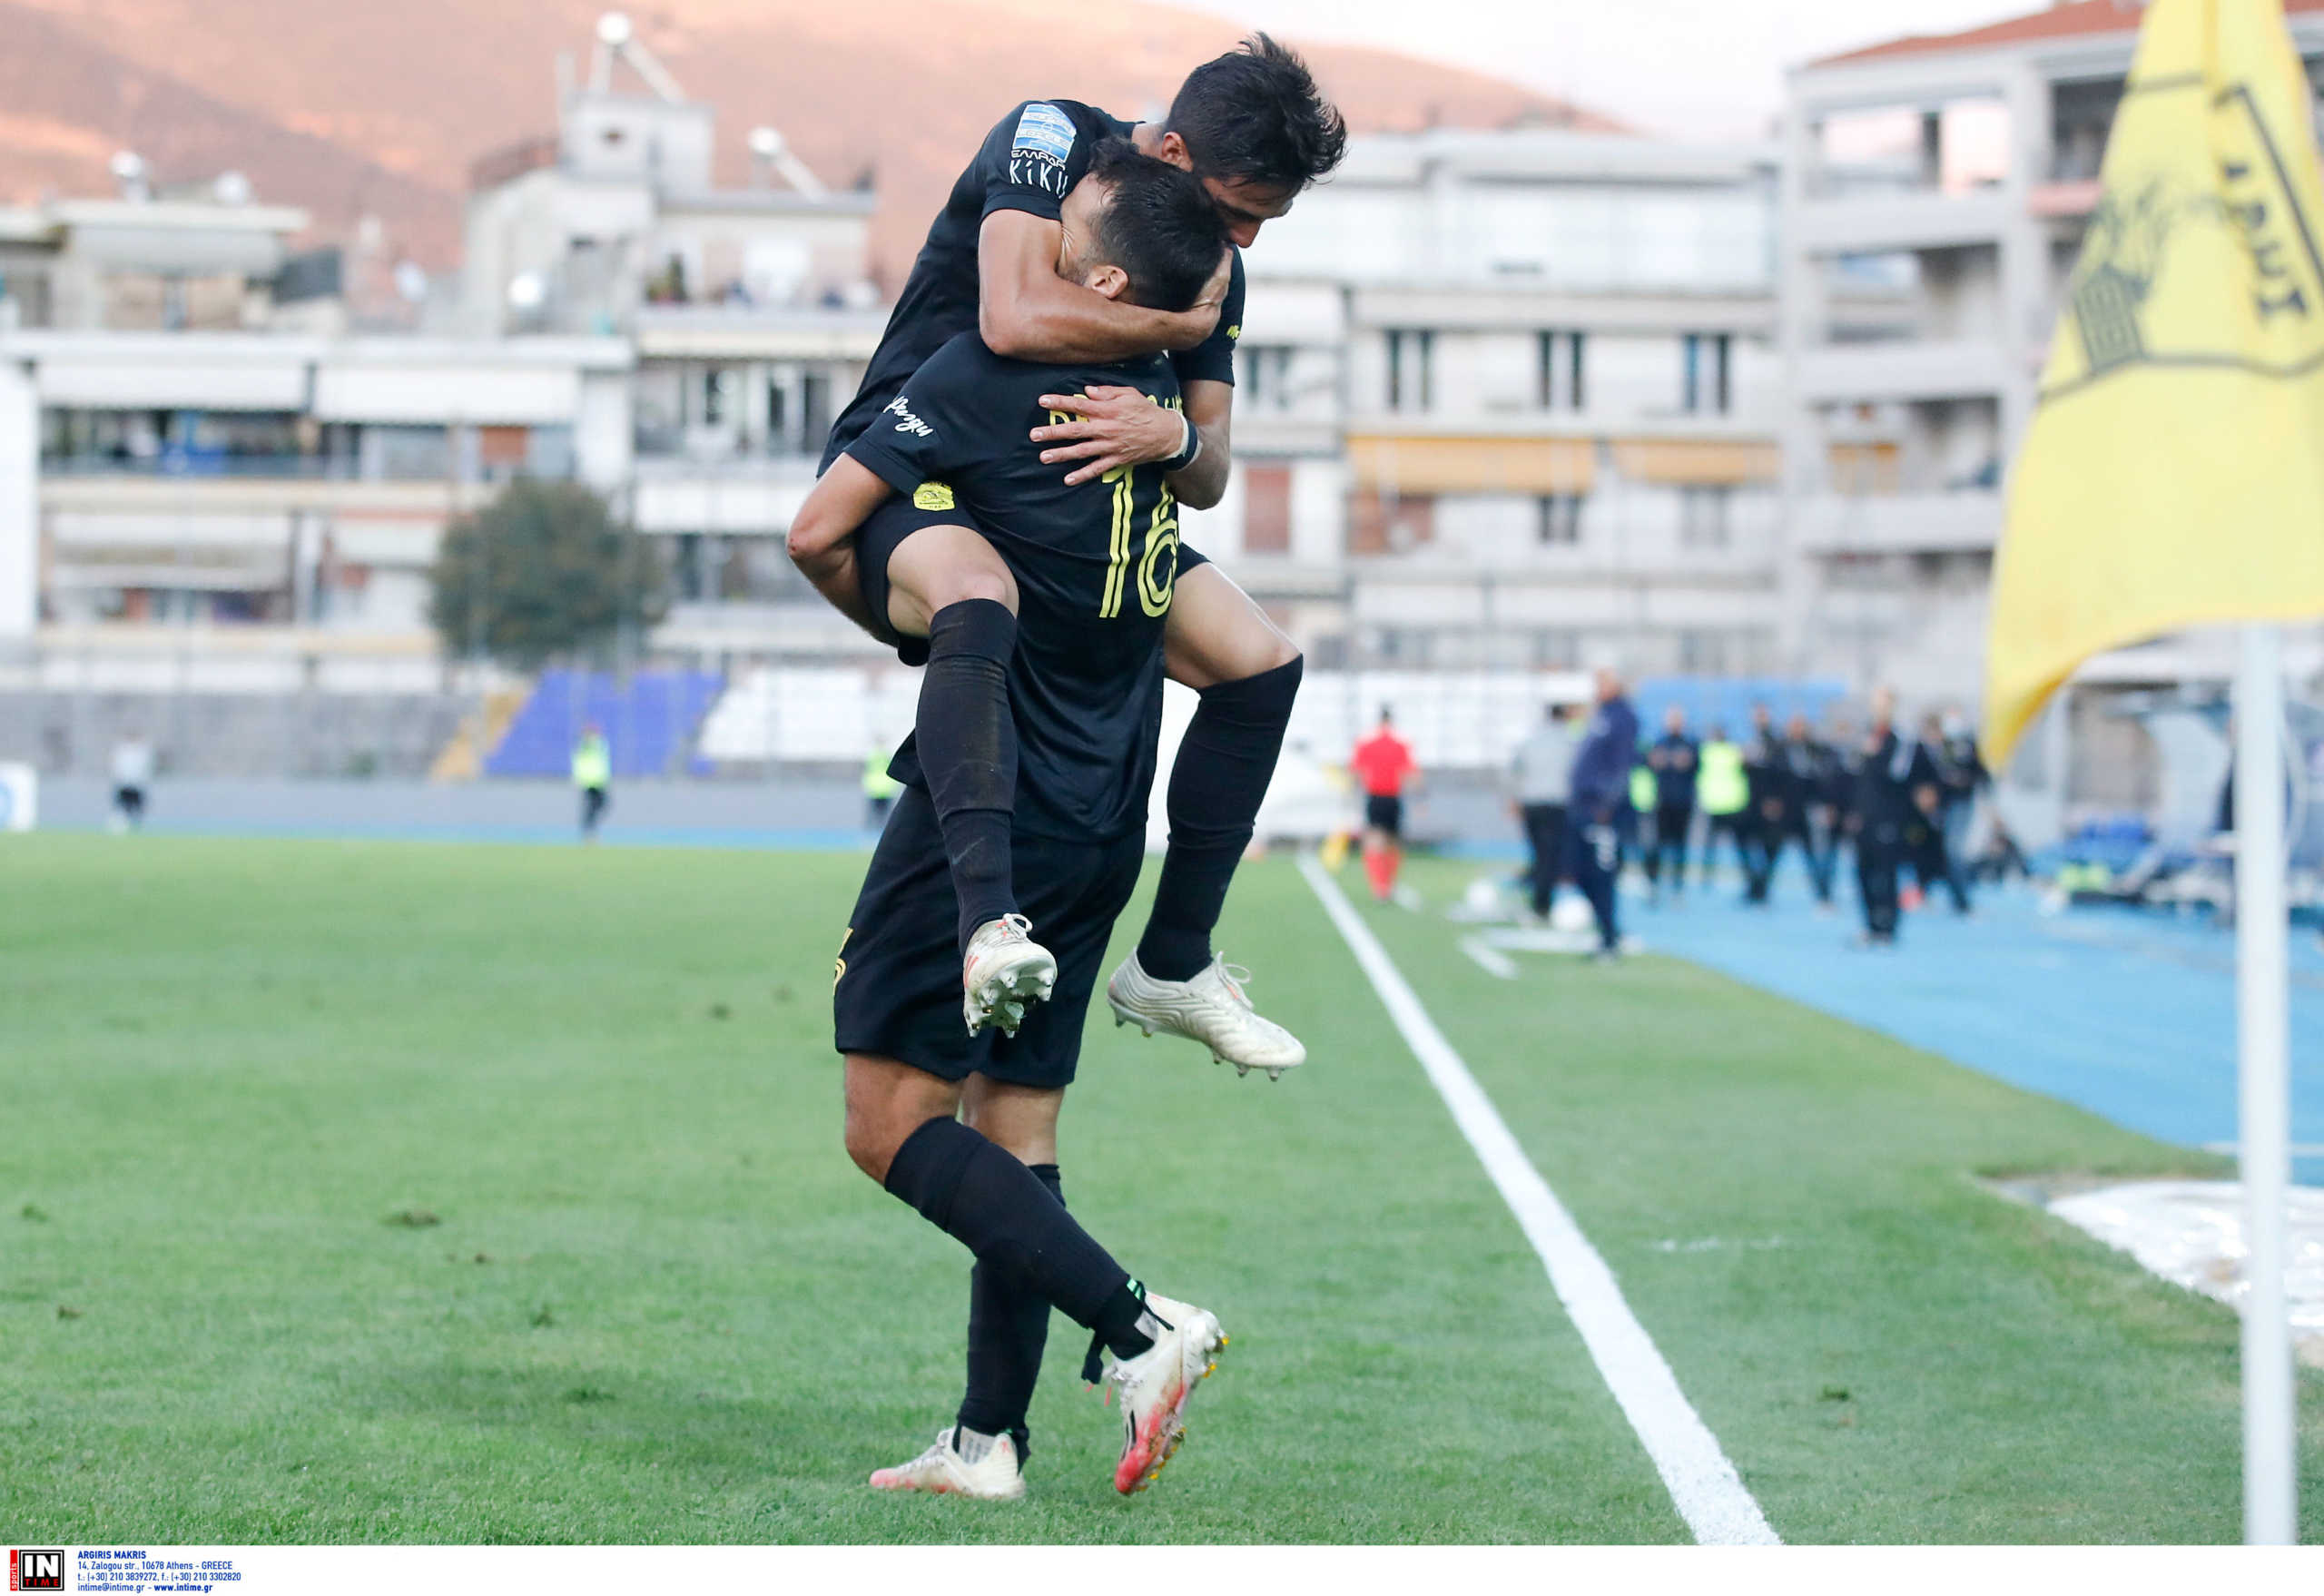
[(1118, 426)]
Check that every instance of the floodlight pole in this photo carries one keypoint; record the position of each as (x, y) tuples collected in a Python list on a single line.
[(2263, 1089)]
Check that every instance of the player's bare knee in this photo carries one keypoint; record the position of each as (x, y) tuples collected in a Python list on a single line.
[(972, 581), (886, 1102)]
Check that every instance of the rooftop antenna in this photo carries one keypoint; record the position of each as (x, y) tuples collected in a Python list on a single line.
[(128, 168), (771, 152), (616, 37)]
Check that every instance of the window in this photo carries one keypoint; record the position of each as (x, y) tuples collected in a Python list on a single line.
[(1381, 523), (717, 385), (1267, 376), (1561, 385), (1559, 520), (1705, 384), (1702, 516), (1702, 653), (1411, 381), (1557, 649), (814, 410), (1267, 507)]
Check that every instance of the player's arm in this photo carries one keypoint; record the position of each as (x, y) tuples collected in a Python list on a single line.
[(1027, 311), (822, 535)]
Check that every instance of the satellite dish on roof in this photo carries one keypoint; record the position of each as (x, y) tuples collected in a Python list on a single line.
[(128, 169), (772, 152)]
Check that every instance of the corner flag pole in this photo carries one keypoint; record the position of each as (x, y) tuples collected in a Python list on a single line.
[(2263, 1089)]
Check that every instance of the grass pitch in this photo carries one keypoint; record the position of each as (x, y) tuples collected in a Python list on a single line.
[(396, 1192)]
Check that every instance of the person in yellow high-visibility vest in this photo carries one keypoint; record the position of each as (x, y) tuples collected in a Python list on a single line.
[(1723, 793), (593, 777), (880, 789)]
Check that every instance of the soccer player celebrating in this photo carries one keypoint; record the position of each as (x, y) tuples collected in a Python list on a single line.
[(1252, 130), (1383, 764), (962, 1124)]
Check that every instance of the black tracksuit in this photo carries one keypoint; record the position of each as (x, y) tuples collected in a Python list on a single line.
[(1771, 802), (1673, 758), (1887, 771), (1806, 770)]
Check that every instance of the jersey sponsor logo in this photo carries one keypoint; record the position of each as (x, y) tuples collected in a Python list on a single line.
[(1040, 148), (900, 406), (932, 496)]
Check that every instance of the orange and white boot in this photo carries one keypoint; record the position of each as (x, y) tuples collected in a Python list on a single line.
[(1154, 1388)]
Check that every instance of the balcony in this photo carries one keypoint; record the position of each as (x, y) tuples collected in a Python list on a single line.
[(748, 332), (1903, 368), (739, 494), (1904, 523), (1918, 218)]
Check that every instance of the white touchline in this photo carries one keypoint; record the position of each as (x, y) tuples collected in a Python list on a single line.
[(1490, 959), (1703, 1484)]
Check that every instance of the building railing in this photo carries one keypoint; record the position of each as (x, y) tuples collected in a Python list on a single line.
[(282, 467)]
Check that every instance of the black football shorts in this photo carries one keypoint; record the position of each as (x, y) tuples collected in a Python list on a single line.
[(897, 991)]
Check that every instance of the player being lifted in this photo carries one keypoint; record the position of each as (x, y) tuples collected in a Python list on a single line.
[(1251, 128), (1090, 567)]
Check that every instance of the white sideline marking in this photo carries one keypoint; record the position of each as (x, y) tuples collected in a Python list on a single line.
[(1703, 1484), (1489, 959)]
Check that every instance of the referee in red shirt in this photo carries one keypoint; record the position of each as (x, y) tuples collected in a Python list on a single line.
[(1383, 764)]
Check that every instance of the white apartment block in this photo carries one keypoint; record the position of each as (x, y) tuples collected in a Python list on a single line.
[(1509, 400), (205, 482), (1934, 196)]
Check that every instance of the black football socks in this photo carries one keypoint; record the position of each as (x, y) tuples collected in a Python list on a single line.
[(966, 735), (1009, 1329), (1221, 774), (984, 1198)]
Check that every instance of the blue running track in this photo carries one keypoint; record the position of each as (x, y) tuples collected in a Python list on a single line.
[(2127, 1014)]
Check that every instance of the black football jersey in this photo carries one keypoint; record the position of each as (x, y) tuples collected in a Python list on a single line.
[(1094, 566)]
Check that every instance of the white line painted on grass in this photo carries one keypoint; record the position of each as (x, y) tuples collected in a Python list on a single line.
[(1703, 1484), (1489, 959)]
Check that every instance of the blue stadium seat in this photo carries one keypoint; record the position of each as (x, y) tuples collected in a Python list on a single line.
[(650, 718)]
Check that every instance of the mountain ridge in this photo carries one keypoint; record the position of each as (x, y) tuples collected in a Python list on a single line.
[(360, 111)]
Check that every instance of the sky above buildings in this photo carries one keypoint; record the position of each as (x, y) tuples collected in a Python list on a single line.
[(1693, 68)]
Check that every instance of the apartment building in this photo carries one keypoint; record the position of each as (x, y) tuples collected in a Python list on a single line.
[(174, 462), (751, 312), (206, 479), (1510, 399), (1934, 196)]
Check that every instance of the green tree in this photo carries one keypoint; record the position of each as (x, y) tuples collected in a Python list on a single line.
[(543, 572)]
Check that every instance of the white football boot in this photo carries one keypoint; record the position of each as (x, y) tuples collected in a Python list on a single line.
[(1211, 1009), (1005, 971), (943, 1472), (1154, 1385)]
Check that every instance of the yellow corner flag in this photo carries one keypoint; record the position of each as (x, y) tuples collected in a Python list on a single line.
[(2173, 475)]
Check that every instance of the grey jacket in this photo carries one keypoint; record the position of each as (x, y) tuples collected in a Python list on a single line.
[(1543, 767)]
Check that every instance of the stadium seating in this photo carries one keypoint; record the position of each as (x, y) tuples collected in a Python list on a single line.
[(649, 718)]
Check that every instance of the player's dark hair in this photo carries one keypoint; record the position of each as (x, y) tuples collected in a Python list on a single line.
[(1255, 115), (1159, 227)]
